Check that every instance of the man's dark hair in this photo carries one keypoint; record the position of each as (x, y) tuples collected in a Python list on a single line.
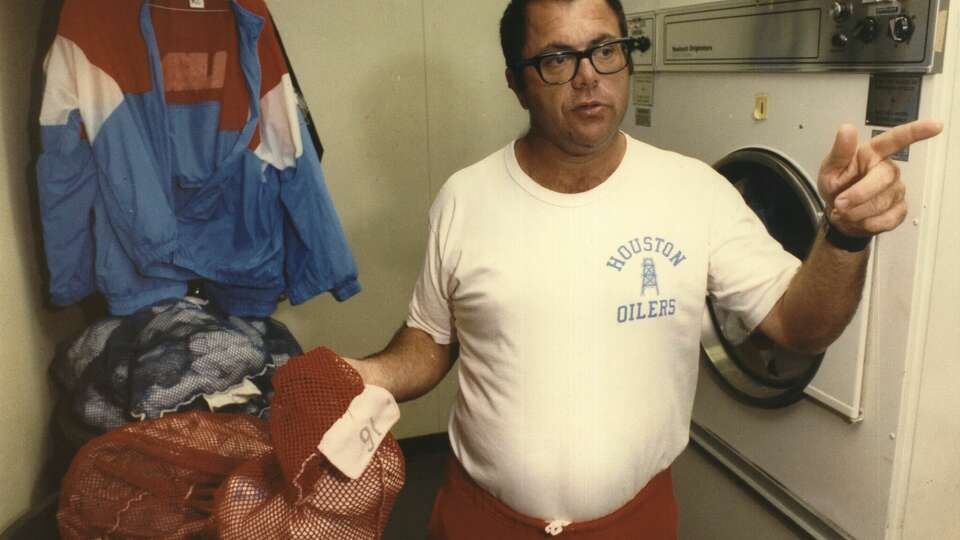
[(513, 33)]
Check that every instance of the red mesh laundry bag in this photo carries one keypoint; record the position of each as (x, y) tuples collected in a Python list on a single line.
[(207, 475), (156, 479), (297, 492)]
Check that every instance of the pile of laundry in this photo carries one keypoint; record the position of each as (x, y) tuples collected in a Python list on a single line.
[(323, 466), (174, 356)]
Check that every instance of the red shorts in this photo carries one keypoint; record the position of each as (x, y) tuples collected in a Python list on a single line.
[(464, 511)]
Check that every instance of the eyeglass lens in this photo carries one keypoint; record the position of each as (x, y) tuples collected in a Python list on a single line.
[(562, 67)]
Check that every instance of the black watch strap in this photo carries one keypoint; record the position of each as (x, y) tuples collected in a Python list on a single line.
[(843, 241)]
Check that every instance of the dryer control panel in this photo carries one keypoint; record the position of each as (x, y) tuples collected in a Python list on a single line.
[(803, 35)]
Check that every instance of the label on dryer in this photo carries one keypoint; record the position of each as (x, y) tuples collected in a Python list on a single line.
[(884, 10), (644, 117), (893, 99)]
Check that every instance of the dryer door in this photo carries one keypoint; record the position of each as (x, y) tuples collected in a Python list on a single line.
[(753, 368)]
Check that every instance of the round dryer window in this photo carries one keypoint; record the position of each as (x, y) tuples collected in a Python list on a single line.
[(754, 369)]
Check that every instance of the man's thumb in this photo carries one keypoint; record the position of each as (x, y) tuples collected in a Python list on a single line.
[(843, 151)]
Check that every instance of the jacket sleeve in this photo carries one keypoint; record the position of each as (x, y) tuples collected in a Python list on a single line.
[(317, 257), (67, 184)]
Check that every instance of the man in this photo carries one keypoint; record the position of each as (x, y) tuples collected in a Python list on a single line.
[(569, 412)]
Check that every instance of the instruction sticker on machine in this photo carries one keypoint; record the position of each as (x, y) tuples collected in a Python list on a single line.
[(643, 89), (893, 99), (644, 117)]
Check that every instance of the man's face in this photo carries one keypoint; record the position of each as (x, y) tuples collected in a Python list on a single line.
[(583, 115)]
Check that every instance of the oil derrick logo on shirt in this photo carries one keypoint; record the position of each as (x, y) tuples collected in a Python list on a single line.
[(649, 277), (647, 308)]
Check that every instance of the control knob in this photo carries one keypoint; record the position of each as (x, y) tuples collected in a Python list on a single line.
[(841, 11), (901, 28), (643, 44), (866, 30), (840, 40)]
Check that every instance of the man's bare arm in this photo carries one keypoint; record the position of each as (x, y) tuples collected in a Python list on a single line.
[(821, 299), (410, 366)]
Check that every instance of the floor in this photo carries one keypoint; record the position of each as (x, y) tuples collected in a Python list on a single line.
[(415, 502)]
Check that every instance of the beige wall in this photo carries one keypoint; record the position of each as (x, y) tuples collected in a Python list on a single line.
[(29, 329), (404, 94)]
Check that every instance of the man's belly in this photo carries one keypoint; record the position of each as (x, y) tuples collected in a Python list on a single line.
[(577, 446)]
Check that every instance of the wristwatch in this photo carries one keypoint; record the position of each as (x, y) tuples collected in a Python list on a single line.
[(839, 239)]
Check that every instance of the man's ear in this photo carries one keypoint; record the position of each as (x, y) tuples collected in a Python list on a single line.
[(512, 83)]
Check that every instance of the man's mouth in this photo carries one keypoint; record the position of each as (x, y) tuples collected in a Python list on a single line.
[(588, 106)]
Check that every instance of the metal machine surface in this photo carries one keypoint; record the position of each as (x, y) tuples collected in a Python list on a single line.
[(758, 89), (873, 36), (805, 35)]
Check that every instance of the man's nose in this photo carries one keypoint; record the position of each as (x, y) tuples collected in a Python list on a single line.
[(586, 75)]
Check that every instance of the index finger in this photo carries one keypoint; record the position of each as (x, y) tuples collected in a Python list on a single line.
[(892, 141)]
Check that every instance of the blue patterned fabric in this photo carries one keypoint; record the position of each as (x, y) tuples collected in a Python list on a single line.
[(163, 358)]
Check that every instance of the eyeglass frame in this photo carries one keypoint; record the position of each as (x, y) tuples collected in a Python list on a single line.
[(534, 61)]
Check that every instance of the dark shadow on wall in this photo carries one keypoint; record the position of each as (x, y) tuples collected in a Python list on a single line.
[(47, 32)]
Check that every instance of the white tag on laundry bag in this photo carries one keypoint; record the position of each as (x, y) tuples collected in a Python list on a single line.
[(351, 441), (196, 4)]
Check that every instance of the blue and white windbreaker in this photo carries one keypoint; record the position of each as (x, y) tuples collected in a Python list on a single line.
[(173, 149)]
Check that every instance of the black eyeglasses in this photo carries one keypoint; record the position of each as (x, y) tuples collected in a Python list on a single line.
[(561, 67)]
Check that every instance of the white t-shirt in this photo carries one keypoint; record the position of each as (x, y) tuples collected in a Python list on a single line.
[(578, 318)]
